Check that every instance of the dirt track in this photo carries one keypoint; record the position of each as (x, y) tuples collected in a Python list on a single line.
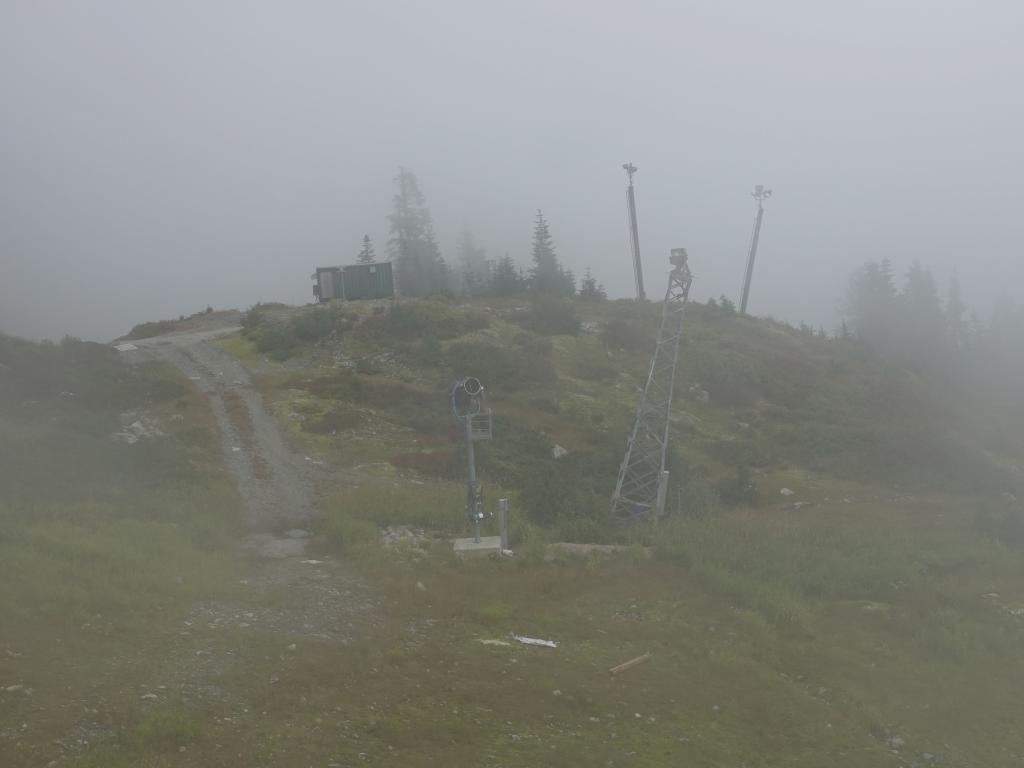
[(275, 483)]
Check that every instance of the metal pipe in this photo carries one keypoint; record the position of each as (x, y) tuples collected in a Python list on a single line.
[(471, 504)]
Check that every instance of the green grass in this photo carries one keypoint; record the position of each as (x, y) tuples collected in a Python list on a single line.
[(354, 516), (834, 634), (811, 640), (242, 348), (104, 547), (65, 564)]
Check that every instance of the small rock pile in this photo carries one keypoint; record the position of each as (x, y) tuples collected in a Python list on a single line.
[(136, 426)]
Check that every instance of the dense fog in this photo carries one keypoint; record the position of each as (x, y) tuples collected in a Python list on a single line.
[(159, 158)]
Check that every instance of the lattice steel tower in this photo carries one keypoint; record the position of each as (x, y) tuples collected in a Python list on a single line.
[(643, 479)]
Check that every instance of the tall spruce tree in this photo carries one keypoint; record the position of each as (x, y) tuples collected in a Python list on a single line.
[(547, 276), (418, 264), (366, 253)]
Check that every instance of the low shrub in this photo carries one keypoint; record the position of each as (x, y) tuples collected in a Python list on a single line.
[(153, 328), (434, 463), (514, 367), (551, 317), (280, 338), (415, 319), (334, 420)]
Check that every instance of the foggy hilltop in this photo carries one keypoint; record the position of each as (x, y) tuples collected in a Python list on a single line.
[(379, 385), (156, 159)]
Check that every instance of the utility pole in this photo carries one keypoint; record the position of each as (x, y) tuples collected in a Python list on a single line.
[(634, 233), (760, 194)]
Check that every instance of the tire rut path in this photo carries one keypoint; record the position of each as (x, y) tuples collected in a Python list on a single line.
[(275, 483)]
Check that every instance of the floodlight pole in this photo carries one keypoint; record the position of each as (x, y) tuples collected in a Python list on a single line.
[(634, 233), (760, 194)]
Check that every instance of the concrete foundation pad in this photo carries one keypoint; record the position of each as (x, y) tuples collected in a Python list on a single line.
[(488, 545)]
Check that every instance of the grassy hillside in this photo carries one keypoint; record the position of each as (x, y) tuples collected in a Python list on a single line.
[(365, 384), (90, 522), (103, 542), (872, 618)]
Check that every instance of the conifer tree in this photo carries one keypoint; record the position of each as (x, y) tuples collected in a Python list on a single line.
[(366, 253), (547, 276), (955, 314), (590, 289), (507, 280), (412, 245), (472, 263)]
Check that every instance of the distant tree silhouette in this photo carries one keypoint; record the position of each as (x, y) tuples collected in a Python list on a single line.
[(547, 276), (471, 265), (418, 264), (507, 280), (590, 289), (366, 253)]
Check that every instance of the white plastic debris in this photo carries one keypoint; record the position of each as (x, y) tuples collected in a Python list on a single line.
[(488, 641), (787, 492), (125, 347), (535, 641)]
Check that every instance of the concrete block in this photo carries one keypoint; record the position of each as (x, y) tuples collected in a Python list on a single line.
[(488, 545)]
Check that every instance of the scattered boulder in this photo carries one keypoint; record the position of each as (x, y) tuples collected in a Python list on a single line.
[(136, 427)]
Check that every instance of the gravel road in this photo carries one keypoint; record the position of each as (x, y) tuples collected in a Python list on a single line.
[(275, 483)]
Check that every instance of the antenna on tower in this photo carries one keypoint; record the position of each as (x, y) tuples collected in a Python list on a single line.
[(760, 194), (634, 234)]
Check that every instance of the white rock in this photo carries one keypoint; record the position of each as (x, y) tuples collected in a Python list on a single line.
[(787, 492), (558, 451)]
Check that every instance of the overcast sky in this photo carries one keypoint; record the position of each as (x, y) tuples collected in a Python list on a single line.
[(157, 157)]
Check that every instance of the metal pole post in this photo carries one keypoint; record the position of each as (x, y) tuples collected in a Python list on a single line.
[(634, 233), (760, 194), (659, 503), (471, 480), (503, 522)]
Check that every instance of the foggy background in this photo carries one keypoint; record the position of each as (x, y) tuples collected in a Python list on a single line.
[(157, 157)]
